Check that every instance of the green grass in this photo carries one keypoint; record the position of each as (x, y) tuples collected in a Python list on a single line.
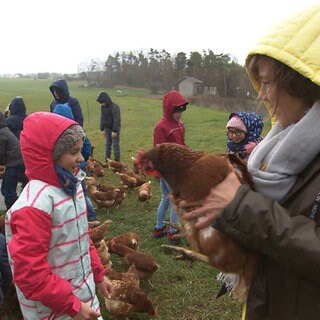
[(178, 289)]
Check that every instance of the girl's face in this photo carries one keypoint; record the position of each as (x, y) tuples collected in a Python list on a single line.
[(177, 115), (287, 109), (70, 160), (235, 135)]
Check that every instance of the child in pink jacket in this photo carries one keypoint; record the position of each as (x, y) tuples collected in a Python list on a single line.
[(55, 266)]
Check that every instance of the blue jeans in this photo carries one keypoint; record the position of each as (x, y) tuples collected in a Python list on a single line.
[(91, 214), (114, 143), (9, 184), (165, 204)]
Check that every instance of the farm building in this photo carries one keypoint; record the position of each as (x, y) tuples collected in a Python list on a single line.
[(189, 86)]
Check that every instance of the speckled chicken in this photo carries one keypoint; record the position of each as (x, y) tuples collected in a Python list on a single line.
[(130, 277), (191, 175), (127, 299)]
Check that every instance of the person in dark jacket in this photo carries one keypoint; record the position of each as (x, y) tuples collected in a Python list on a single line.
[(281, 220), (11, 158), (61, 95), (110, 123), (16, 114)]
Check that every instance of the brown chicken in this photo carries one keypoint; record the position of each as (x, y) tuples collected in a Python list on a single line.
[(140, 181), (121, 195), (127, 180), (104, 255), (191, 175), (98, 233), (144, 192), (129, 239), (102, 164), (127, 299), (95, 168), (116, 166), (103, 199), (146, 265), (130, 277)]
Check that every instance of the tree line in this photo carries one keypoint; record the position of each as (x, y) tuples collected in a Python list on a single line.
[(159, 70)]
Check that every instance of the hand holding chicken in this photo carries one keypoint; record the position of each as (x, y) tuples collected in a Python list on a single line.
[(219, 197)]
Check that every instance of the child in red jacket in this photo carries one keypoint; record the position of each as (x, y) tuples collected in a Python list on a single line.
[(169, 129)]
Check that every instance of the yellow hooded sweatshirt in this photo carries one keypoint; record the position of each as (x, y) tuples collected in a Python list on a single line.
[(296, 43)]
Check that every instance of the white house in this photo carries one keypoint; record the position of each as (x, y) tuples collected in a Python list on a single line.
[(189, 86)]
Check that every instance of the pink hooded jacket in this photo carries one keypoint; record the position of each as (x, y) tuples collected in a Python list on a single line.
[(55, 265)]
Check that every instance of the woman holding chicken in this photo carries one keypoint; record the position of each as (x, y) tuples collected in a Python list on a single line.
[(281, 221)]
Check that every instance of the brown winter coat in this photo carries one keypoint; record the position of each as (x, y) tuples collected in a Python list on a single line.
[(287, 283)]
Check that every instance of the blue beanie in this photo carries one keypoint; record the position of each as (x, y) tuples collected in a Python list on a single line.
[(63, 110)]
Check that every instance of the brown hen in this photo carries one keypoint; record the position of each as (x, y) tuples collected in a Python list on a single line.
[(191, 175), (127, 299), (129, 239), (98, 233), (130, 277), (144, 192), (145, 264), (103, 199)]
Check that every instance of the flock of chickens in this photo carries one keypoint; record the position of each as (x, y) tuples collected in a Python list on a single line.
[(191, 175), (127, 296), (107, 196)]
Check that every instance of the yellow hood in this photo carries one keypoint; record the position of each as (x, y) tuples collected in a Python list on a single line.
[(296, 43)]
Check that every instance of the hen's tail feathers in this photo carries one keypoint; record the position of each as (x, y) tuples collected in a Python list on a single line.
[(229, 280)]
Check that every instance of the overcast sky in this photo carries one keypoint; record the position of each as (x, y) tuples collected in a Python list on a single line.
[(59, 35)]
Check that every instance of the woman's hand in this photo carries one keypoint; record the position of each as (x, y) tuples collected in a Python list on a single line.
[(219, 197)]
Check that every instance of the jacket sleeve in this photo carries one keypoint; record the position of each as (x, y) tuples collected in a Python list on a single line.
[(101, 119), (159, 135), (262, 224), (28, 247), (116, 118), (76, 110), (96, 265)]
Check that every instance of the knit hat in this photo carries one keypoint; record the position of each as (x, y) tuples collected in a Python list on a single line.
[(63, 110), (236, 122), (67, 140), (180, 108)]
